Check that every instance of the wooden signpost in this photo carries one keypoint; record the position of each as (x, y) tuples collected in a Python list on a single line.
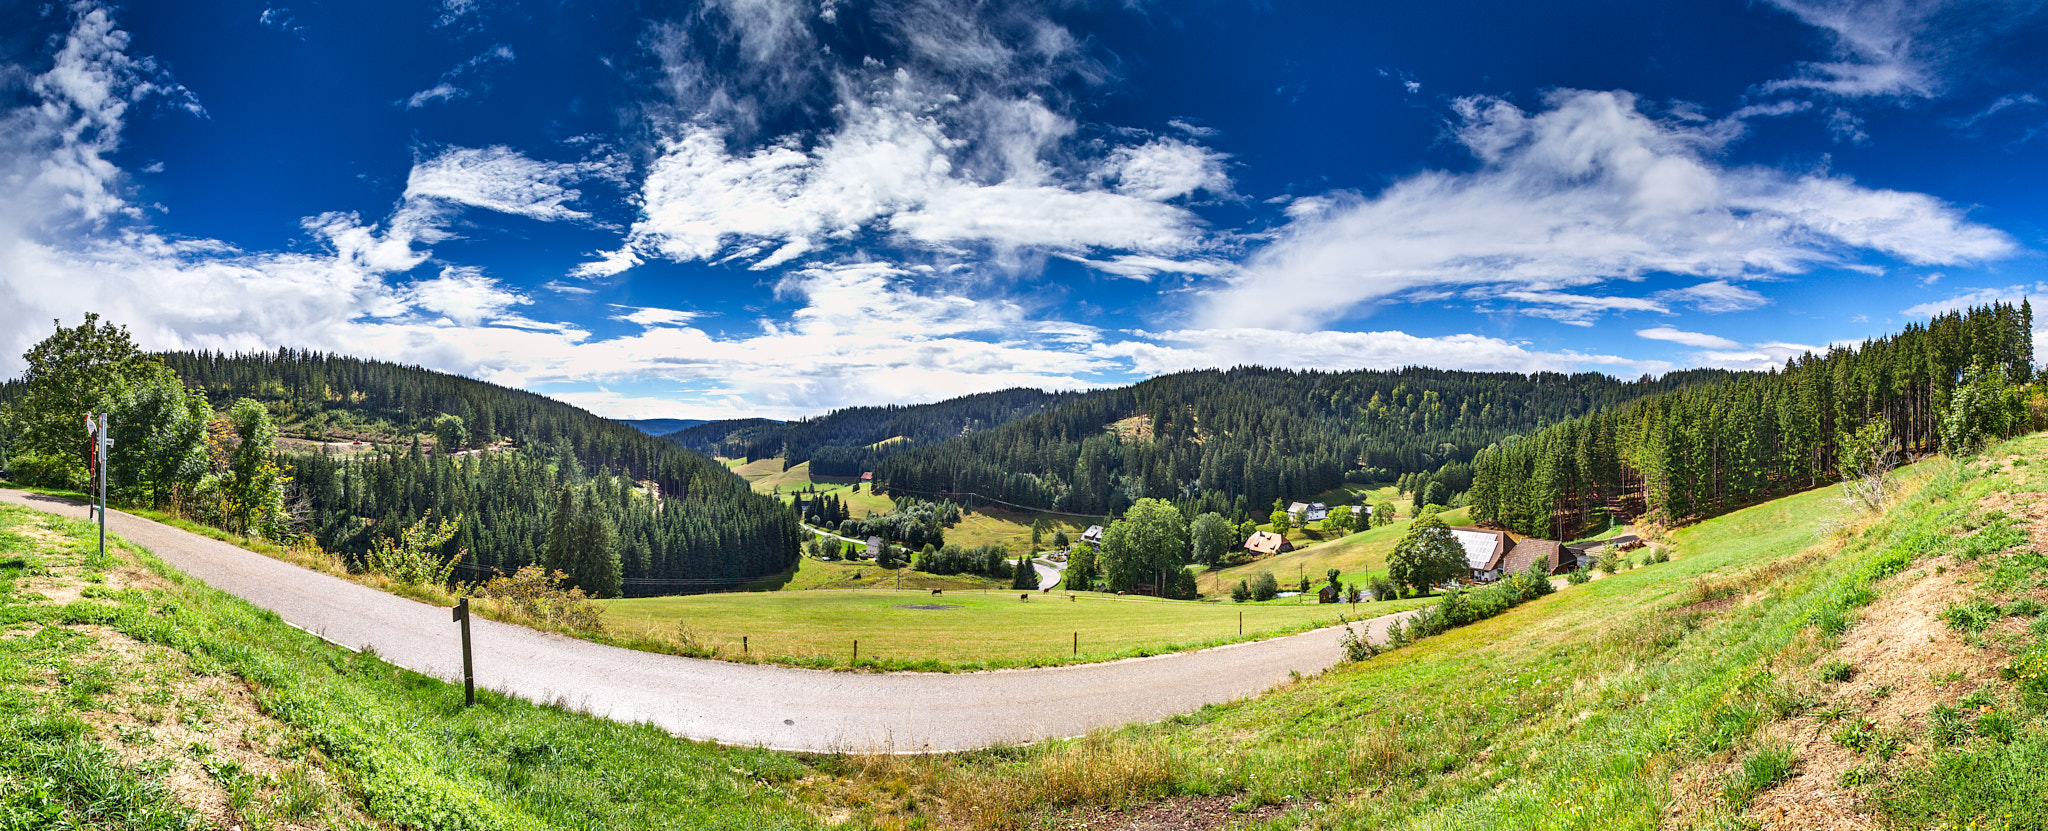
[(468, 669)]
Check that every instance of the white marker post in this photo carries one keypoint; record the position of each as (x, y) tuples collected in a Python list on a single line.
[(106, 446)]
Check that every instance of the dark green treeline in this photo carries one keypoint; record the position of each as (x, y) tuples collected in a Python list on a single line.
[(1233, 441), (1710, 448), (707, 529)]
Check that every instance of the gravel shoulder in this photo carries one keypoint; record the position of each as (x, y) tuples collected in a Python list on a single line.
[(739, 704)]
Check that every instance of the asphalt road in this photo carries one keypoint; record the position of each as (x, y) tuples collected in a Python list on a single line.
[(739, 704)]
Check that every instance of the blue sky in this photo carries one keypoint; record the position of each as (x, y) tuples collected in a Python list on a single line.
[(778, 207)]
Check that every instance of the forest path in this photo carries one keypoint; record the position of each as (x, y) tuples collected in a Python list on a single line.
[(739, 704)]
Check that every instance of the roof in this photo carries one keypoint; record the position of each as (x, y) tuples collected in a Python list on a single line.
[(1092, 532), (1531, 551), (867, 476), (1483, 549), (1265, 542), (1297, 507)]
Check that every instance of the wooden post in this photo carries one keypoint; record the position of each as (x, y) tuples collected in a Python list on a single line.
[(1077, 642), (468, 667), (743, 644), (1240, 624), (856, 653)]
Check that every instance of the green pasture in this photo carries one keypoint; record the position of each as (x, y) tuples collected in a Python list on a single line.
[(980, 629)]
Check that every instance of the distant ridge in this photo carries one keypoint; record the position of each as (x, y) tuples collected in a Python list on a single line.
[(662, 426)]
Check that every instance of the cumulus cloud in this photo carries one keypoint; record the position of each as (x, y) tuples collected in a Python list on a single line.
[(1680, 336), (1586, 190), (961, 142)]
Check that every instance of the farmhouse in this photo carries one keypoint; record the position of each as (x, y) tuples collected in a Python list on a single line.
[(1531, 551), (1485, 550), (1267, 542), (867, 476), (1296, 510), (1317, 512), (1092, 536)]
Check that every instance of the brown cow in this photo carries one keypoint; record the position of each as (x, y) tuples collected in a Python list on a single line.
[(938, 591)]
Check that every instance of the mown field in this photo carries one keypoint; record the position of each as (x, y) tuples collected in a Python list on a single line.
[(977, 629)]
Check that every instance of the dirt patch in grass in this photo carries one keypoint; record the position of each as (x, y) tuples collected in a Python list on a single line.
[(1898, 647), (928, 607), (1180, 813), (221, 756)]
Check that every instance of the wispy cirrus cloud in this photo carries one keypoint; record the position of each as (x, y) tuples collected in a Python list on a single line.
[(1587, 190), (452, 84), (1680, 336)]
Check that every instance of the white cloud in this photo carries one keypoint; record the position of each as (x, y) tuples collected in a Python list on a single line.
[(1697, 339), (1715, 296), (450, 85), (499, 179), (1756, 358), (280, 18), (1880, 48), (964, 144), (649, 316), (1977, 297), (1575, 309), (1155, 353), (1166, 169), (1584, 191), (464, 296)]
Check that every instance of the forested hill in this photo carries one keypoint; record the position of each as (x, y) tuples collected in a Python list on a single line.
[(1234, 440), (661, 426), (849, 441), (502, 460), (1711, 448)]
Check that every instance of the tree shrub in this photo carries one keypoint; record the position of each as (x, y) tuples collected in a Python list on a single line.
[(1265, 586)]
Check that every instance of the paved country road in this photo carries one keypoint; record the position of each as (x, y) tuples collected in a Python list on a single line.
[(741, 704)]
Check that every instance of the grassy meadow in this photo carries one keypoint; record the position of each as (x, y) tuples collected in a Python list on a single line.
[(1675, 695), (132, 697), (982, 629)]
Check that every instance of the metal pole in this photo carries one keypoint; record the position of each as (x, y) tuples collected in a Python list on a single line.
[(105, 446), (468, 668)]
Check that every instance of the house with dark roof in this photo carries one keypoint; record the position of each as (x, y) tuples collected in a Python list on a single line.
[(1531, 551), (1317, 512), (1267, 542)]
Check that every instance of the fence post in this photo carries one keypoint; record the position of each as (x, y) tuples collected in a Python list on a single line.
[(468, 668), (1240, 624), (856, 653), (1077, 643), (743, 644)]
